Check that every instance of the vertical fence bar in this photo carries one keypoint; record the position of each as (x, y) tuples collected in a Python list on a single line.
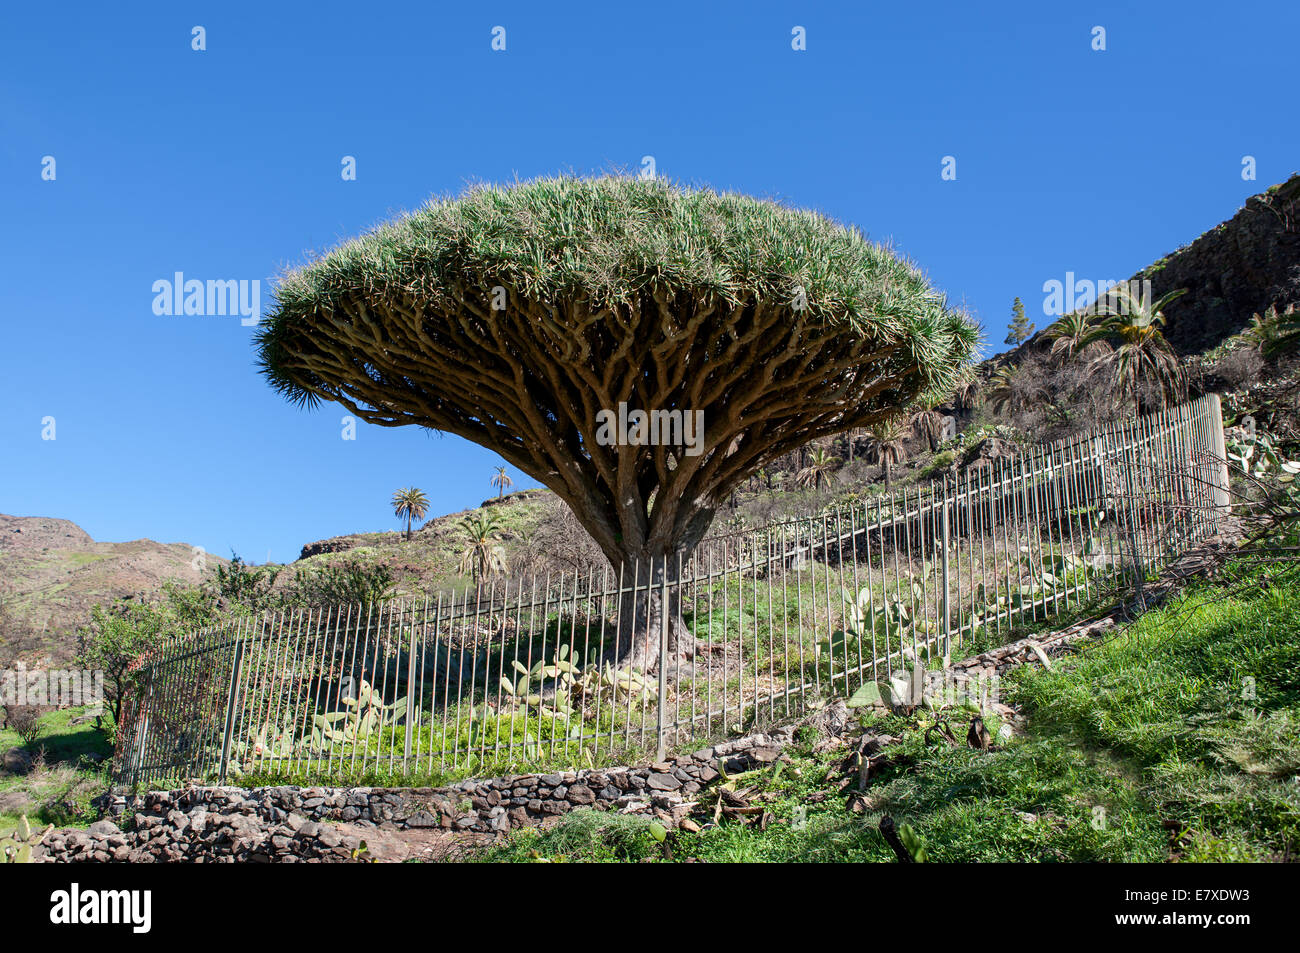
[(945, 623), (925, 549), (1130, 490), (410, 701), (141, 732), (446, 689), (232, 707), (661, 746), (476, 628), (1219, 460)]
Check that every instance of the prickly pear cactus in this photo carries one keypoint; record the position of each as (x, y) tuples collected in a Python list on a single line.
[(16, 845)]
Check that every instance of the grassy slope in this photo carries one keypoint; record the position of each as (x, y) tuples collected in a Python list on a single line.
[(1144, 749), (71, 769), (429, 560)]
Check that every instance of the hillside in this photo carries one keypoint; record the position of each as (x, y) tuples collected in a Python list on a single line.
[(1129, 744), (430, 558), (52, 572), (1239, 268)]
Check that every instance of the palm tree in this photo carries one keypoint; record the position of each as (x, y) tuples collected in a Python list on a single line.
[(501, 481), (1143, 349), (817, 471), (1076, 333), (410, 503), (1002, 388), (885, 448), (482, 555), (1274, 333), (967, 390), (928, 424)]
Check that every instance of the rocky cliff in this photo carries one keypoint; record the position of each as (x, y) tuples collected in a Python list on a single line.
[(1237, 269)]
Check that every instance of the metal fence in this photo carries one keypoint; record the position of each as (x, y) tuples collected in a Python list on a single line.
[(536, 672)]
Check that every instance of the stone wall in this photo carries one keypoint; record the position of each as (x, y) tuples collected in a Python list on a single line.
[(295, 824)]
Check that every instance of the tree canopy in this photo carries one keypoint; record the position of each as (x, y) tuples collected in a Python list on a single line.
[(512, 316)]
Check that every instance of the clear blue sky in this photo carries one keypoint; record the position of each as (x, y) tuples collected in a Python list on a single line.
[(225, 164)]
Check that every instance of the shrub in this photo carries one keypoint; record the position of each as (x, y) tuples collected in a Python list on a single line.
[(251, 586), (941, 461), (1238, 366), (348, 583), (25, 720)]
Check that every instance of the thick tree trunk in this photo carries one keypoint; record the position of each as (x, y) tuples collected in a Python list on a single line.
[(641, 634)]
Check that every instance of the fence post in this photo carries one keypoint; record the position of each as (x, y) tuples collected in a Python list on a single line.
[(1219, 448), (946, 626), (661, 747), (410, 698), (232, 707)]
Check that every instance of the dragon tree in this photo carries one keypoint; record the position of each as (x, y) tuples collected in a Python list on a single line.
[(538, 319)]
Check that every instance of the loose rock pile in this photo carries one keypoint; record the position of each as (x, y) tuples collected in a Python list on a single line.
[(221, 835)]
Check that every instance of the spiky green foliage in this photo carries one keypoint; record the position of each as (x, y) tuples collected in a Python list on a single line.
[(483, 555), (1077, 332), (1275, 333), (1143, 353), (885, 447), (817, 473), (611, 240), (1002, 388), (512, 316)]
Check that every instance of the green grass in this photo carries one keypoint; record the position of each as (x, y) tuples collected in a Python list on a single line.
[(1203, 699), (85, 559), (71, 768), (1186, 724)]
